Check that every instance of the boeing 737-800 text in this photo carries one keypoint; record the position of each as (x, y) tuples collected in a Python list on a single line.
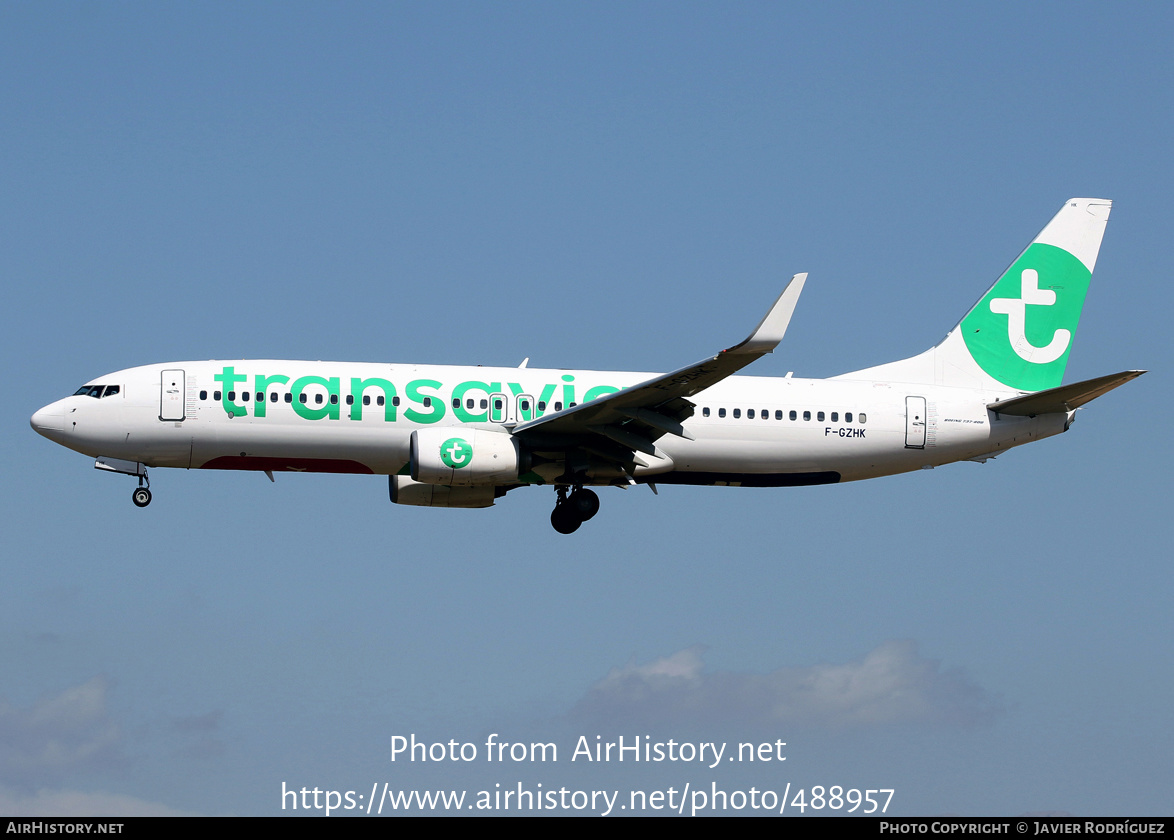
[(449, 436)]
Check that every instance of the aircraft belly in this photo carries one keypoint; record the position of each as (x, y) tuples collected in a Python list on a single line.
[(799, 451), (300, 448)]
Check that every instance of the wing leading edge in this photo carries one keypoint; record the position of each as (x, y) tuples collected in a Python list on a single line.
[(616, 426)]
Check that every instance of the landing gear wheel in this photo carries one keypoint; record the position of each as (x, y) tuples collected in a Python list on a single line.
[(141, 497), (585, 502), (565, 519)]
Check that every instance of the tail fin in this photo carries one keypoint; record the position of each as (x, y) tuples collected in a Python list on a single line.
[(1019, 334)]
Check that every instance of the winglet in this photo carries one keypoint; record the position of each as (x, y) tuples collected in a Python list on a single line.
[(773, 327)]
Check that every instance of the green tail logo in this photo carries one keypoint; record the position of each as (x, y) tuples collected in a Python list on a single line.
[(1021, 331)]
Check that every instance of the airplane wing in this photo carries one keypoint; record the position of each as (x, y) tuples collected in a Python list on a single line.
[(616, 426), (1065, 398)]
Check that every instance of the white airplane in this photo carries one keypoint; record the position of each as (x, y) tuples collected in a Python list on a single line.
[(452, 436)]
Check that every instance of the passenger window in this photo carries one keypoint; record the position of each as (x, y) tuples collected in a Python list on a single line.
[(861, 417), (737, 413), (497, 405), (541, 405), (765, 414), (819, 417), (847, 416), (779, 414), (558, 406), (469, 403), (260, 396), (428, 402), (273, 397), (244, 396), (216, 396), (456, 403), (302, 399), (705, 411), (572, 405), (525, 405), (232, 396), (203, 395), (288, 397), (318, 399), (394, 400), (793, 415), (334, 399), (806, 415), (485, 403), (379, 401), (750, 414), (835, 417), (366, 400), (721, 412)]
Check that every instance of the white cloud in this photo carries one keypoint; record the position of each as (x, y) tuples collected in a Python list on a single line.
[(891, 685), (66, 733), (72, 803), (58, 734)]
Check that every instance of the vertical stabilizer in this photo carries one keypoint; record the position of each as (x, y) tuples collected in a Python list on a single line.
[(1019, 334)]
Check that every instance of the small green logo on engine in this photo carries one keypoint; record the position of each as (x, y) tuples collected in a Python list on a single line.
[(456, 453)]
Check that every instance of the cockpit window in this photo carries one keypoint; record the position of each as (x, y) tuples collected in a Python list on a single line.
[(95, 391)]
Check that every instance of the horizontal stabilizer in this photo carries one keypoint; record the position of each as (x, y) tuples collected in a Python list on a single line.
[(1065, 398)]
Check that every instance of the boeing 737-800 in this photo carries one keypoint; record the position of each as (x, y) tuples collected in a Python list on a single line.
[(449, 436)]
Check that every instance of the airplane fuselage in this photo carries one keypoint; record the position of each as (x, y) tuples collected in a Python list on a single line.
[(297, 416)]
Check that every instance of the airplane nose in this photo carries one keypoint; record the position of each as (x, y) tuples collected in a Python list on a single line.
[(49, 420)]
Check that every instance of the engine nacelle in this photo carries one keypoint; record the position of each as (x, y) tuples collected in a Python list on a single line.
[(404, 491), (458, 457)]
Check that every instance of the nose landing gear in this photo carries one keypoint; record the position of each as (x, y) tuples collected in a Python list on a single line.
[(142, 495), (572, 511)]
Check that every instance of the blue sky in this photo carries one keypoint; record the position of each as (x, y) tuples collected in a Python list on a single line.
[(613, 186)]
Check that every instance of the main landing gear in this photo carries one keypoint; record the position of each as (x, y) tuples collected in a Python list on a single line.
[(142, 495), (572, 511)]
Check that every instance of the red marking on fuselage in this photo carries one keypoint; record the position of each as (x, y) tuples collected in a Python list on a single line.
[(319, 465)]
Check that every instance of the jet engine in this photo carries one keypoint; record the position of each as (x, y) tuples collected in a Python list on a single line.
[(405, 491), (462, 457)]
